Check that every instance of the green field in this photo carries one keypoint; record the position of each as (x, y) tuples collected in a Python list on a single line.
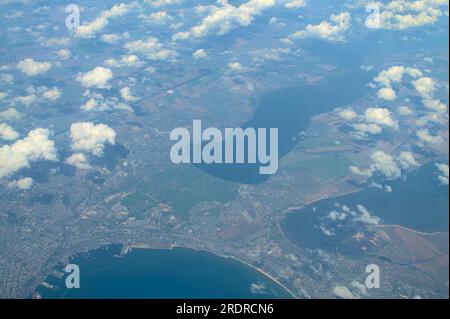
[(181, 188)]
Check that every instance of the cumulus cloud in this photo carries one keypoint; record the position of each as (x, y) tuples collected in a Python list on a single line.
[(405, 110), (79, 161), (113, 38), (387, 94), (10, 114), (64, 54), (38, 94), (151, 48), (52, 94), (380, 116), (366, 217), (130, 61), (269, 54), (126, 94), (199, 54), (434, 105), (162, 3), (385, 164), (97, 103), (443, 170), (225, 18), (382, 163), (368, 128), (343, 292), (333, 30), (23, 183), (97, 77), (348, 114), (407, 160), (31, 67), (53, 42), (91, 138), (392, 74), (406, 14), (7, 133), (235, 66), (425, 137), (295, 4), (159, 18), (36, 146), (335, 216), (425, 86), (89, 29)]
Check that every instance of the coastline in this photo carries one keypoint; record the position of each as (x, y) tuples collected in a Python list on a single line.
[(128, 248)]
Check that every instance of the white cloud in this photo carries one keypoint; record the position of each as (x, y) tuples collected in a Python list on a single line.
[(97, 103), (363, 172), (89, 29), (235, 66), (6, 78), (79, 161), (385, 164), (382, 163), (348, 114), (434, 105), (151, 48), (407, 160), (162, 3), (26, 99), (131, 61), (91, 138), (225, 18), (343, 292), (380, 116), (425, 86), (365, 217), (405, 110), (150, 70), (53, 42), (392, 74), (126, 94), (368, 128), (36, 146), (97, 77), (360, 287), (413, 72), (272, 54), (199, 54), (23, 183), (113, 38), (406, 14), (31, 67), (64, 54), (332, 31), (425, 137), (387, 94), (7, 133), (335, 216), (10, 114), (443, 177), (52, 94), (159, 18), (295, 4)]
